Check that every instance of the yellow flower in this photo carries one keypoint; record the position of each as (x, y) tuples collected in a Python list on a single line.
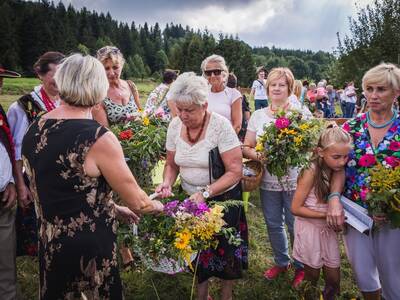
[(182, 239), (286, 131), (146, 121), (304, 126), (259, 147), (217, 210), (298, 140)]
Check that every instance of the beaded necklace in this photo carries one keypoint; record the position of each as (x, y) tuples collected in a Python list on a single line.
[(379, 126), (46, 100), (278, 108), (193, 141)]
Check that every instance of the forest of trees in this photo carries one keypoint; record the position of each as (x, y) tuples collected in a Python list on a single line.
[(28, 29), (374, 38)]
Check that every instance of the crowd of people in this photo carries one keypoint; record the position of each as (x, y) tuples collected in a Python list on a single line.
[(62, 163)]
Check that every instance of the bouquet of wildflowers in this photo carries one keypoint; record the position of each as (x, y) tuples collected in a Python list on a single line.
[(384, 194), (175, 237), (287, 142), (142, 138)]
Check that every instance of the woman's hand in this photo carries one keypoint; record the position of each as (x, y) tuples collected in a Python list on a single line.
[(164, 190), (126, 215), (158, 206), (24, 195), (197, 197), (380, 219)]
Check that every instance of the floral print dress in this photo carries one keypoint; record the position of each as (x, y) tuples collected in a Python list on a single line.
[(364, 156), (76, 217)]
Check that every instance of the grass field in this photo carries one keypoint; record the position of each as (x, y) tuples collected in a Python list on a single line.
[(142, 284)]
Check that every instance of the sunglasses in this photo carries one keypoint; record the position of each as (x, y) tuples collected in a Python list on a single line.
[(108, 49), (210, 72)]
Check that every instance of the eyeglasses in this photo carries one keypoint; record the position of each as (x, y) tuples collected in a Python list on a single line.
[(216, 72)]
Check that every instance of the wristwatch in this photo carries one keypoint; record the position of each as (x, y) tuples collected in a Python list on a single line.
[(206, 192)]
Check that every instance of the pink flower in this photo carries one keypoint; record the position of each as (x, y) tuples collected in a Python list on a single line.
[(394, 146), (346, 127), (363, 193), (282, 122), (159, 112), (367, 160), (392, 161), (394, 129), (363, 116)]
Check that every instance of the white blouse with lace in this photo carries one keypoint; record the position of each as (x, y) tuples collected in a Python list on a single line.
[(193, 159), (258, 120)]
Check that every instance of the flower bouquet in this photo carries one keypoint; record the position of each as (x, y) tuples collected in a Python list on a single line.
[(384, 194), (142, 138), (287, 142), (169, 242)]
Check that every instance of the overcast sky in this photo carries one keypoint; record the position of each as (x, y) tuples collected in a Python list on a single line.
[(294, 24)]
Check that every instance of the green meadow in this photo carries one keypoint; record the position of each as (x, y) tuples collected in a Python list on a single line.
[(143, 284)]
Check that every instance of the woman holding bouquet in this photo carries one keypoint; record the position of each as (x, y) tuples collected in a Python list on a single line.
[(376, 134), (276, 195), (73, 164), (190, 138), (122, 98)]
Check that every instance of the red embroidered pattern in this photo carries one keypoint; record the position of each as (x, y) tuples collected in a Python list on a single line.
[(46, 100), (4, 127)]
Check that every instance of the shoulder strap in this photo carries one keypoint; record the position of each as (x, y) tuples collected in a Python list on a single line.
[(260, 82), (31, 108), (132, 86)]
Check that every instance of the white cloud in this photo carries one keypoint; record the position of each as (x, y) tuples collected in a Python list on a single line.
[(238, 19)]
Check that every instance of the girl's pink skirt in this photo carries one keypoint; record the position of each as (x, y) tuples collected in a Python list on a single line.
[(315, 244)]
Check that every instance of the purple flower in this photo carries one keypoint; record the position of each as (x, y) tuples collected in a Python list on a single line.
[(201, 209), (170, 207), (193, 208)]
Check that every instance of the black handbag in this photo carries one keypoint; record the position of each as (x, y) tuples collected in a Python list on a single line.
[(216, 170), (215, 164)]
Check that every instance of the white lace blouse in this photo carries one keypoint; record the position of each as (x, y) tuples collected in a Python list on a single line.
[(193, 159)]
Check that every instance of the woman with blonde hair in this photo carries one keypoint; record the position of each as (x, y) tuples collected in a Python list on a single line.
[(297, 89), (74, 164), (221, 99), (122, 98), (376, 135), (276, 196)]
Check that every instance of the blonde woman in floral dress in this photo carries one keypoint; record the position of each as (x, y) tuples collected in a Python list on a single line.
[(376, 135), (73, 164), (276, 197)]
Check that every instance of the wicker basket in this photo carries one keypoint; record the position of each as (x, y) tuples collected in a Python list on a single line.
[(163, 265), (168, 265), (250, 183)]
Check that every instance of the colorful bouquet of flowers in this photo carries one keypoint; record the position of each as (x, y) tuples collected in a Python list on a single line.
[(287, 142), (142, 138), (384, 194), (169, 242)]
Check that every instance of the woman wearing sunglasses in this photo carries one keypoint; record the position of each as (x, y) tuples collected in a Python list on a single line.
[(122, 96), (221, 99)]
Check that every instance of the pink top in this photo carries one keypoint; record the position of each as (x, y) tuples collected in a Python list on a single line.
[(313, 204)]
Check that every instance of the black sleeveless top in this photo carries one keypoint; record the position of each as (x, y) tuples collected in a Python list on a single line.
[(76, 218)]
